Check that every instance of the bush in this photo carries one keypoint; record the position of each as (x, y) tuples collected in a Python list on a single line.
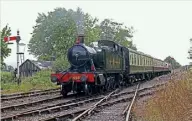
[(7, 77), (61, 64), (39, 81)]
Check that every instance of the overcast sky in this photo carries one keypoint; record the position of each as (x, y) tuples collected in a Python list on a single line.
[(163, 28)]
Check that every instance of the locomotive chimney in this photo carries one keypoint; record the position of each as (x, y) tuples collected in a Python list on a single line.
[(80, 39)]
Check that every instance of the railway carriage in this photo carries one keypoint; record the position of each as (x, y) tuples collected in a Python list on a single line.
[(105, 65)]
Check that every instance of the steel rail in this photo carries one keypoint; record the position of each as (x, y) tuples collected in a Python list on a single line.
[(28, 94), (128, 108), (31, 92), (80, 113), (69, 104), (90, 109)]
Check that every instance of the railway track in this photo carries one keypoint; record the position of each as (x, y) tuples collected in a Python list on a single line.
[(127, 111), (104, 101), (28, 94), (125, 99), (69, 100), (66, 105)]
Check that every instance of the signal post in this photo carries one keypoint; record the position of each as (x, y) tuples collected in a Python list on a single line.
[(17, 39)]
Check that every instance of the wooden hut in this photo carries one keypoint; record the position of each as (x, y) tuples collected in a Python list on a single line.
[(30, 67)]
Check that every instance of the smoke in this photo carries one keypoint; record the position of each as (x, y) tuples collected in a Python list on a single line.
[(79, 20)]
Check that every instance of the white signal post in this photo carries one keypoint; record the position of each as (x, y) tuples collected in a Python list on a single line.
[(17, 40)]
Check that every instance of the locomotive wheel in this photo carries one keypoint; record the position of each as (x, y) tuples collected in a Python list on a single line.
[(107, 86), (88, 89), (132, 80), (147, 77), (121, 82), (100, 89), (63, 91), (113, 84), (78, 91)]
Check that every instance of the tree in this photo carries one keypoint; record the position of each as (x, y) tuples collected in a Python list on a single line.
[(117, 32), (5, 51), (56, 32), (173, 62)]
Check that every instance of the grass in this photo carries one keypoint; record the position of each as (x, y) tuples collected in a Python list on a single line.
[(39, 81), (173, 103)]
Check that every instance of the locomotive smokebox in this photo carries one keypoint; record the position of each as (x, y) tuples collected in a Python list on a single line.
[(80, 39)]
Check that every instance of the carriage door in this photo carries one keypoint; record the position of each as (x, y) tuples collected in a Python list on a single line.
[(126, 60)]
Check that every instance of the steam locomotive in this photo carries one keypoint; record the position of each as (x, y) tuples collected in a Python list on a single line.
[(105, 65)]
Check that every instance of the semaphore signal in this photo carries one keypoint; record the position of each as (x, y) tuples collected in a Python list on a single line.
[(17, 39)]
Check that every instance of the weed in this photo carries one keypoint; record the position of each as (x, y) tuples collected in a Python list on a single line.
[(39, 81), (173, 103)]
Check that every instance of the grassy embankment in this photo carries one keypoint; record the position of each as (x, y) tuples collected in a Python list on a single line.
[(173, 103), (39, 81)]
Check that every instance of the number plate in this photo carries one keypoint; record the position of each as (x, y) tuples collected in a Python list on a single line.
[(76, 77)]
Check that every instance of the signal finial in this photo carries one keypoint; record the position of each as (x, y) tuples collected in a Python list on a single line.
[(17, 32)]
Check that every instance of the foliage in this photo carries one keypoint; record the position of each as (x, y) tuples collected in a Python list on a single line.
[(56, 32), (173, 62), (5, 51), (39, 81), (60, 64), (8, 68), (117, 32), (7, 77)]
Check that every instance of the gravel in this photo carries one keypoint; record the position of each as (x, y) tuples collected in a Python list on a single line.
[(112, 113)]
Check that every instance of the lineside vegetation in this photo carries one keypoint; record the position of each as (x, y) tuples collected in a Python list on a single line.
[(39, 81), (173, 103)]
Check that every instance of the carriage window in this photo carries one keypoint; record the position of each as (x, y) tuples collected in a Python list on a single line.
[(132, 59), (135, 59), (144, 61), (149, 61), (141, 60), (138, 60)]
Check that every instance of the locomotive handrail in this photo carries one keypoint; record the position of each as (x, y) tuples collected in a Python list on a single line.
[(64, 74)]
